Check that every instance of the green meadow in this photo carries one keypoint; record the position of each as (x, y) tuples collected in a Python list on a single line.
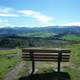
[(72, 37)]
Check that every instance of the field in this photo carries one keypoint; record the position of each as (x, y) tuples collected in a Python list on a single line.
[(72, 37), (37, 34)]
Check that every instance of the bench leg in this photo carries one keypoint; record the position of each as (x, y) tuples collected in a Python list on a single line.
[(33, 62), (59, 60), (58, 67), (33, 67)]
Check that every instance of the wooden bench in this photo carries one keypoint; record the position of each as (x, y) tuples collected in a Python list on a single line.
[(45, 54)]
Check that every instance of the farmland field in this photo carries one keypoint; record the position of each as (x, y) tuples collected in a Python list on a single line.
[(72, 37), (37, 34)]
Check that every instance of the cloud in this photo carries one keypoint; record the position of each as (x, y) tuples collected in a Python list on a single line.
[(8, 12), (3, 22), (8, 15), (41, 19), (72, 24), (6, 23), (37, 15)]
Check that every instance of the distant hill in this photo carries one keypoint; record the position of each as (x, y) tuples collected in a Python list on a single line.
[(39, 31)]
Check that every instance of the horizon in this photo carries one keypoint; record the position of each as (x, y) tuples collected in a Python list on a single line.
[(39, 13), (56, 26)]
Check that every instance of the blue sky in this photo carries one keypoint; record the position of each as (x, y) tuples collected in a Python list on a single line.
[(39, 13)]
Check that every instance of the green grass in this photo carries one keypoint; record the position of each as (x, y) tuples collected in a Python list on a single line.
[(74, 68), (10, 51), (72, 37), (6, 63), (74, 73), (75, 53)]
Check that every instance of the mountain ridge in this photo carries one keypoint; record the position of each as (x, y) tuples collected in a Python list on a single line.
[(55, 29)]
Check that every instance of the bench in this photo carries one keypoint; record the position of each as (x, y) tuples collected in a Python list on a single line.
[(45, 54)]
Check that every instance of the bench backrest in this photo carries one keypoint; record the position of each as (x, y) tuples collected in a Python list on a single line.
[(46, 54)]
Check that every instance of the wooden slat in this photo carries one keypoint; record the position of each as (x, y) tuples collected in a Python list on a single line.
[(55, 60), (44, 50), (46, 57)]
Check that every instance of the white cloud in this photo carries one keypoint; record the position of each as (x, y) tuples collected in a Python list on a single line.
[(41, 19), (10, 12), (8, 15), (6, 23), (37, 15), (3, 22), (72, 24)]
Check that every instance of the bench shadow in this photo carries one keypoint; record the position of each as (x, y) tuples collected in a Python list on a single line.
[(48, 76)]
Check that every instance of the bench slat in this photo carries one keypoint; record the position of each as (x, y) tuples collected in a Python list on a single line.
[(48, 50), (50, 60), (48, 57), (46, 54)]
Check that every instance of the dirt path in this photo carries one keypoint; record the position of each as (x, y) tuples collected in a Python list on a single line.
[(14, 73)]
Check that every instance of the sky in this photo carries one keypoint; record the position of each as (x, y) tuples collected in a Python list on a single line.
[(39, 13)]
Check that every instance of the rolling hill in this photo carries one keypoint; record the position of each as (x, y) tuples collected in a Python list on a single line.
[(50, 31)]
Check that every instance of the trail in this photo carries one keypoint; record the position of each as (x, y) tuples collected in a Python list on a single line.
[(14, 73)]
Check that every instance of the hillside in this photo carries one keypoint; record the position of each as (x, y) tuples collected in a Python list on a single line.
[(36, 34)]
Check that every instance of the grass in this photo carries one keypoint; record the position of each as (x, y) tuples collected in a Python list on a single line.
[(6, 62), (74, 68), (74, 73), (6, 65), (10, 51), (72, 37)]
